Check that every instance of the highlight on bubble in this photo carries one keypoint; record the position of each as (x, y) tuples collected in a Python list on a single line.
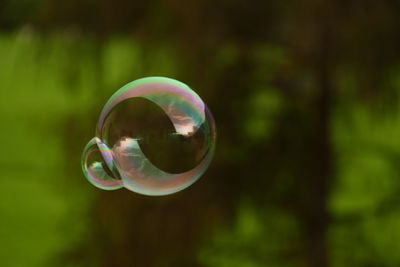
[(155, 136)]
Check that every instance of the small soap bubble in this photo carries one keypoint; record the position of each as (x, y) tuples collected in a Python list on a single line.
[(97, 164), (155, 136)]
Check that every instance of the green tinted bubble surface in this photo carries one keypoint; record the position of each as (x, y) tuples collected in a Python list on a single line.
[(155, 136)]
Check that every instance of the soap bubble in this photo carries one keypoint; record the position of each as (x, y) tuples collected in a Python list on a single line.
[(155, 136)]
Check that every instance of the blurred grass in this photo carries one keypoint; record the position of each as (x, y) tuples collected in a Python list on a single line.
[(41, 201)]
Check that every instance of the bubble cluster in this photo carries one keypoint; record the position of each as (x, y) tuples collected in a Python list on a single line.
[(154, 136)]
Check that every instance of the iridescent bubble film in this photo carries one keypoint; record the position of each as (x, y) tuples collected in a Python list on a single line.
[(155, 136)]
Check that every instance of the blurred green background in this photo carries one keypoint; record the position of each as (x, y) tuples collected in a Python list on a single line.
[(305, 95)]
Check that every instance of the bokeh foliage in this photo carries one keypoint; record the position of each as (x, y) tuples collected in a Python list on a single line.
[(306, 100)]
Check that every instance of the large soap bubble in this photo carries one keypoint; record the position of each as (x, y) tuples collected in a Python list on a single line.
[(155, 136)]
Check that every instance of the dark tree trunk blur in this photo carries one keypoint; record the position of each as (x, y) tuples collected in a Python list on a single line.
[(318, 219)]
